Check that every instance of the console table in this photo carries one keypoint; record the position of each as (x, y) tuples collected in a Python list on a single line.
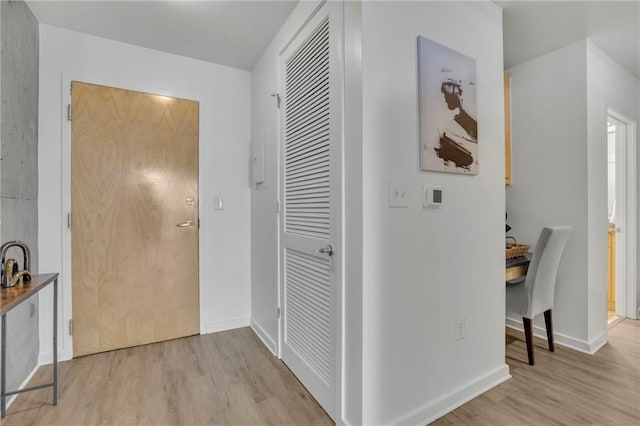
[(9, 299)]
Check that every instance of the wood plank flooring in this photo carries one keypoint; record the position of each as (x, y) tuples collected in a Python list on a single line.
[(565, 387), (223, 378), (231, 378)]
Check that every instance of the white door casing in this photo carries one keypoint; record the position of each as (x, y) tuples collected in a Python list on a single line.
[(311, 198), (626, 287)]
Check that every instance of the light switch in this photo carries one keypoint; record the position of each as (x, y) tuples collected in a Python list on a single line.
[(398, 194), (432, 197), (217, 202)]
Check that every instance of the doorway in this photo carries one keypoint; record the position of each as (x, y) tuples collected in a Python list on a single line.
[(134, 218), (311, 197), (621, 214)]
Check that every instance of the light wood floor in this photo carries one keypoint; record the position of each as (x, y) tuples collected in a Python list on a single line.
[(223, 378), (564, 387), (231, 378)]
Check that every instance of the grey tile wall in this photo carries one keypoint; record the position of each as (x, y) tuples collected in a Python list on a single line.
[(19, 170)]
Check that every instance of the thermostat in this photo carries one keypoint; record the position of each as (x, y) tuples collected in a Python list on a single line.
[(432, 197)]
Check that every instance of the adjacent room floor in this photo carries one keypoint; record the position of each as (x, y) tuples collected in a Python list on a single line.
[(231, 378), (564, 387)]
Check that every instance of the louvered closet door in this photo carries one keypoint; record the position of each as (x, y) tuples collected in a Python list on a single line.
[(311, 214)]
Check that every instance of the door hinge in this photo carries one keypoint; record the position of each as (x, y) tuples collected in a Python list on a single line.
[(69, 113), (278, 100), (69, 220), (278, 313), (70, 327), (278, 207)]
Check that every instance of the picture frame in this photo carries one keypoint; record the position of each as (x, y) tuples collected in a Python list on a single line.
[(447, 109)]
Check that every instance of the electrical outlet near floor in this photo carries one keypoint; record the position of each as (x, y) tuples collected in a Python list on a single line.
[(460, 328)]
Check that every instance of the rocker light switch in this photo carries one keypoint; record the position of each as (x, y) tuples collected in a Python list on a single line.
[(398, 194), (217, 202)]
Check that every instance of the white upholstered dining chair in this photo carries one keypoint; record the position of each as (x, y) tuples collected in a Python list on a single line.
[(535, 293)]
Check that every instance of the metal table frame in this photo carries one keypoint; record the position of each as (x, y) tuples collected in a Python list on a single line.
[(3, 355)]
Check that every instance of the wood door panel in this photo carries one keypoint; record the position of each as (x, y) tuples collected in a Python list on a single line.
[(134, 166)]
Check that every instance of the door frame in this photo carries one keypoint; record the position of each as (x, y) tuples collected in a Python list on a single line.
[(65, 297), (628, 292), (340, 275)]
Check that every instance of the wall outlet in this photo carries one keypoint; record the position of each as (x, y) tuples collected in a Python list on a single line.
[(460, 328)]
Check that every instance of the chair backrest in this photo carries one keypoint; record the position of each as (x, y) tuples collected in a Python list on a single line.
[(540, 282)]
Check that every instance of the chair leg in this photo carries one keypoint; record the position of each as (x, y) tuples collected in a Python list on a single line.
[(549, 324), (528, 333)]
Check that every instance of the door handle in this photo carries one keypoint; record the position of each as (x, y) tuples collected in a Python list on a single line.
[(328, 250), (187, 224)]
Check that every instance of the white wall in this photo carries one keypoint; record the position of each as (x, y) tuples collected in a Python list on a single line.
[(424, 269), (265, 121), (559, 107), (611, 172), (609, 85), (224, 95), (549, 173)]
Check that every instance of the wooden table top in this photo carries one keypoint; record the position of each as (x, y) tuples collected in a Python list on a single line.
[(13, 296)]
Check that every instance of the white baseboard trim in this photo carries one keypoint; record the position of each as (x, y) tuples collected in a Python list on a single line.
[(23, 385), (46, 358), (454, 399), (597, 343), (214, 327), (266, 339), (562, 339)]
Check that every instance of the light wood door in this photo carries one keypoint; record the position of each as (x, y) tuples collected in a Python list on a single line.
[(134, 178), (311, 194)]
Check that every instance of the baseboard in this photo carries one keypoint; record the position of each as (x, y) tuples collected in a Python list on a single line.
[(45, 358), (214, 327), (449, 402), (264, 336), (597, 343), (23, 385), (562, 339)]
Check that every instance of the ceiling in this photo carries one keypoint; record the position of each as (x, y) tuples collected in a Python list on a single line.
[(533, 28), (233, 33)]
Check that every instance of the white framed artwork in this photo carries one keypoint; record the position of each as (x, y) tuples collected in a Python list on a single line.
[(447, 99)]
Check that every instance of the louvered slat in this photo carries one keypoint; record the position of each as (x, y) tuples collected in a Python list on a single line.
[(307, 150), (307, 309), (318, 38)]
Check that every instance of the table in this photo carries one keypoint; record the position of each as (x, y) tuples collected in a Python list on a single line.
[(517, 270), (9, 299)]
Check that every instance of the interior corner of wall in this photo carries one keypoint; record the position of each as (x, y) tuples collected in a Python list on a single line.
[(268, 340)]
